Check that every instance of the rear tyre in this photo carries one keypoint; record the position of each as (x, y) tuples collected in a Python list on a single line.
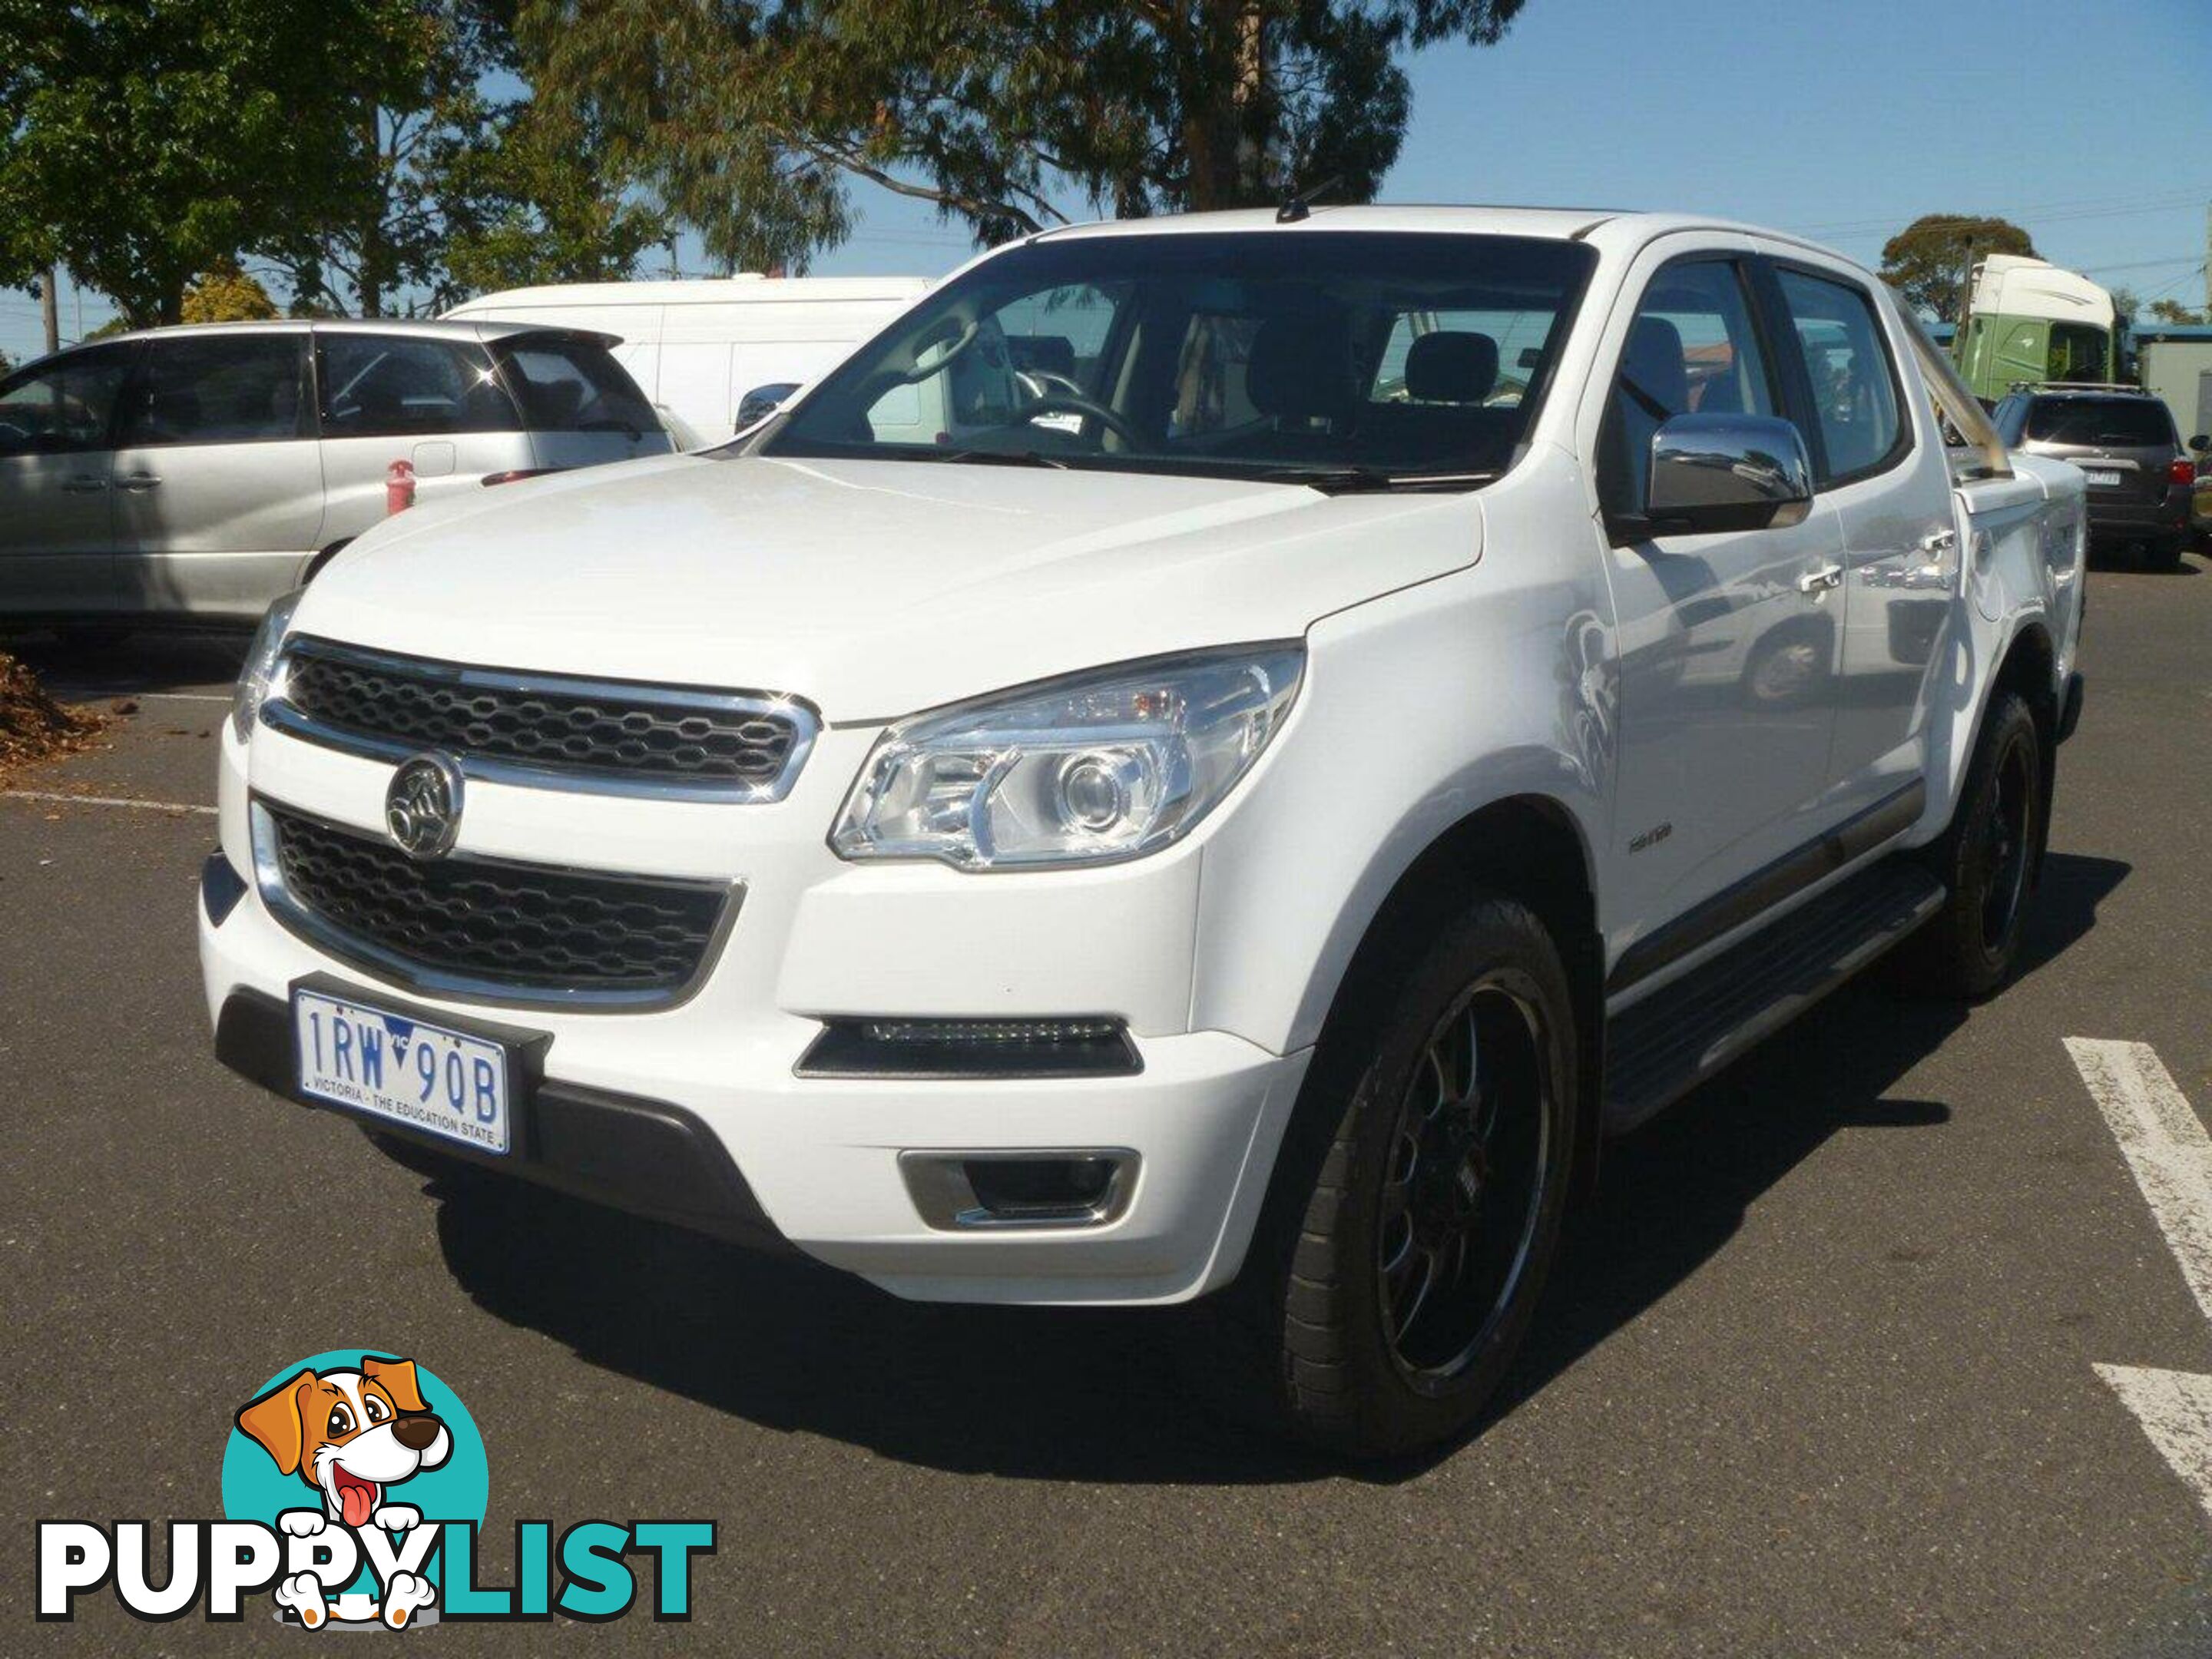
[(1379, 1309), (2164, 554), (1988, 861)]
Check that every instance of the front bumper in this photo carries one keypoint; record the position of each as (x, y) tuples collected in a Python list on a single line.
[(695, 1114)]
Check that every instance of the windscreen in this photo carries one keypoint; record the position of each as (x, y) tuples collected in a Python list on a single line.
[(1410, 358), (2138, 422)]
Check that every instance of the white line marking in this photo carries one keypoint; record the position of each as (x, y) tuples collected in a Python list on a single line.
[(2175, 1410), (2170, 1154), (2165, 1144), (104, 801)]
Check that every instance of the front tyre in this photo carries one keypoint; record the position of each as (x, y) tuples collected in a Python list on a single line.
[(1384, 1321), (1987, 860)]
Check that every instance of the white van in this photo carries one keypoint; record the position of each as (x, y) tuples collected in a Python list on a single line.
[(696, 347)]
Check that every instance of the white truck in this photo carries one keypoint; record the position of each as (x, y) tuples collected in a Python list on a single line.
[(1381, 699)]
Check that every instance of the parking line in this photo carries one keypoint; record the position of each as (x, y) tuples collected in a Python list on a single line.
[(2175, 1410), (2165, 1144), (104, 801), (2170, 1155)]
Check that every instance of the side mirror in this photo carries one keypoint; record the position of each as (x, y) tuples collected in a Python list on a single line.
[(1723, 472), (763, 401), (2200, 443)]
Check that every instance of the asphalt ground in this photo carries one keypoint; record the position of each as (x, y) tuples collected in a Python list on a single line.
[(1814, 1377)]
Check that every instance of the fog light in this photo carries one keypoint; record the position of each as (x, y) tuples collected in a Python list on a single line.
[(959, 1191)]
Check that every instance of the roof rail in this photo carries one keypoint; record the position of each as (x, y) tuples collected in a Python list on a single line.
[(2079, 386)]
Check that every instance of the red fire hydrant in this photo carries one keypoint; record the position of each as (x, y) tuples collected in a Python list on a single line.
[(398, 487)]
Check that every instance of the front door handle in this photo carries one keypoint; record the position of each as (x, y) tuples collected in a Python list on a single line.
[(138, 481), (1813, 582), (85, 483)]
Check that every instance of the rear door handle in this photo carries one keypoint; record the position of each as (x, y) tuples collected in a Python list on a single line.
[(138, 481), (1939, 541), (85, 483), (1828, 575)]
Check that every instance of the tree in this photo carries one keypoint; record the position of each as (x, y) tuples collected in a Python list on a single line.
[(2126, 304), (1927, 261), (750, 118), (227, 295), (2172, 311), (411, 101), (148, 140), (541, 202)]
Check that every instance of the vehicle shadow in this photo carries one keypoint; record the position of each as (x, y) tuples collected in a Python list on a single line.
[(140, 663), (1100, 1396)]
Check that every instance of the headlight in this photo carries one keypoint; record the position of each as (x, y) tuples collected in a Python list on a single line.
[(255, 679), (1100, 766)]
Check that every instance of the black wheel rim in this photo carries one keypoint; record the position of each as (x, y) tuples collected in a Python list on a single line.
[(1468, 1159), (2005, 843)]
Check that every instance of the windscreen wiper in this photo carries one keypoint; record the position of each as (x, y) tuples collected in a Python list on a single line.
[(1349, 480), (994, 458)]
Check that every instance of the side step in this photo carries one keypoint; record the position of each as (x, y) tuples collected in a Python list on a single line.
[(1675, 1038)]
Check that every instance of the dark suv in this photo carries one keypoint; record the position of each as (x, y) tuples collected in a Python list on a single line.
[(2140, 476)]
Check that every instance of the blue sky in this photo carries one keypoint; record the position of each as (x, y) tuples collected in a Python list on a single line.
[(2087, 121)]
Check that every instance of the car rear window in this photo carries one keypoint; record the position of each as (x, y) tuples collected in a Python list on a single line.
[(573, 385), (2139, 420)]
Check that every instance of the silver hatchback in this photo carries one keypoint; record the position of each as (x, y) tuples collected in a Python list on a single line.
[(193, 474)]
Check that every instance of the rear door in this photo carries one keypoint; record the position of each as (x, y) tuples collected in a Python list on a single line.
[(580, 407), (218, 491), (1728, 641), (433, 401), (57, 515), (1879, 463)]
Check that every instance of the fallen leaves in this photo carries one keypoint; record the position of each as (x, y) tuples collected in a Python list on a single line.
[(35, 727)]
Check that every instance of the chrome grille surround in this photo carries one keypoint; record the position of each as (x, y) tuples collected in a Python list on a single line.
[(489, 930), (542, 730)]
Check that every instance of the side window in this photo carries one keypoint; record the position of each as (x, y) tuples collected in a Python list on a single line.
[(1691, 348), (382, 386), (219, 389), (1854, 384), (64, 408)]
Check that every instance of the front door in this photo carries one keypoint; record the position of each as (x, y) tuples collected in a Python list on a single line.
[(57, 518), (1728, 641), (218, 489)]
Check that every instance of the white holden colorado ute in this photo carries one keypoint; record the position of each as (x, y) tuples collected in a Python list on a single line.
[(1350, 708)]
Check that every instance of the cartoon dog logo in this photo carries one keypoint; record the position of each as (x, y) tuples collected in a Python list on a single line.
[(351, 1436)]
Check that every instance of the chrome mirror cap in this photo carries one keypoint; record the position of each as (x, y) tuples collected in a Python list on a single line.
[(1722, 473)]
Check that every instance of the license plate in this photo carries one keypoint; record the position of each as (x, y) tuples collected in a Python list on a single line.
[(2106, 480), (427, 1076)]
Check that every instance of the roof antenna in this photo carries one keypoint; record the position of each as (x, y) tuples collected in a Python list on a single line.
[(1298, 207)]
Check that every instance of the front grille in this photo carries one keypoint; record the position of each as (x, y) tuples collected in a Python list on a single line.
[(474, 924), (732, 743)]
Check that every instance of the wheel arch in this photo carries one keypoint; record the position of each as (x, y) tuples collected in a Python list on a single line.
[(1530, 846)]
